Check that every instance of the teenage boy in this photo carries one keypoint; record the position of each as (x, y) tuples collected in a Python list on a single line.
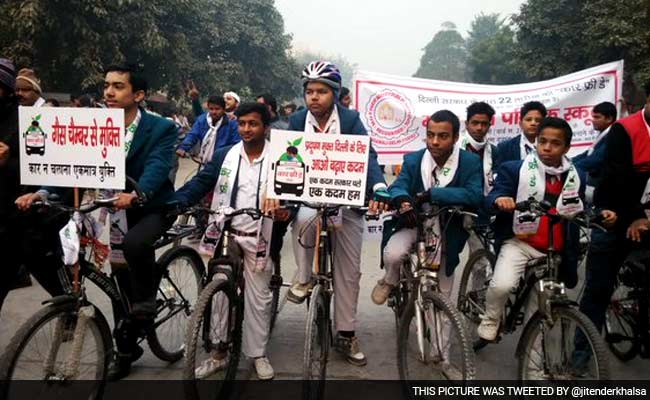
[(546, 175), (238, 175)]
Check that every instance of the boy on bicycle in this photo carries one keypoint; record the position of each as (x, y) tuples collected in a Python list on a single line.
[(451, 176), (323, 115), (238, 176), (546, 174)]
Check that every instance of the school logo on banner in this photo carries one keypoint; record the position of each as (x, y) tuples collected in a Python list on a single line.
[(390, 114)]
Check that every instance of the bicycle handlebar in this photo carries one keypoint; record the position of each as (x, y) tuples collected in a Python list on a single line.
[(588, 218)]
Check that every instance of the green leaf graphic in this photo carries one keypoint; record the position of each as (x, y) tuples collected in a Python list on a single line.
[(297, 141)]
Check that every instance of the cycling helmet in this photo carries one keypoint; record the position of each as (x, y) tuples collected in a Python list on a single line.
[(324, 72)]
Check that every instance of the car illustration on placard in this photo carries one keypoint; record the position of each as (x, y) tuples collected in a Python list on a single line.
[(35, 138), (290, 171)]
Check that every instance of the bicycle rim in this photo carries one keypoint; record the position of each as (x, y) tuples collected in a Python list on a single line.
[(473, 289), (43, 349), (569, 348), (619, 324), (177, 294), (317, 342), (440, 348), (214, 332)]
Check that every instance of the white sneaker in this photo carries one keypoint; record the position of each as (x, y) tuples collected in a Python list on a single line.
[(210, 366), (264, 369), (299, 292), (488, 329)]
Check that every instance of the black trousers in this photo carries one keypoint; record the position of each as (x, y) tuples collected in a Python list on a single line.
[(10, 262), (145, 228)]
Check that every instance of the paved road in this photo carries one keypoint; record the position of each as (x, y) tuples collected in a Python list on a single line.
[(376, 331)]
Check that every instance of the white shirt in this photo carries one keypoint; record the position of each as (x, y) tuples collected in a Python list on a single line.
[(249, 184), (525, 146), (39, 102), (332, 126)]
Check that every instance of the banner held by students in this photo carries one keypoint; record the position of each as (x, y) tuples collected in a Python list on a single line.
[(72, 147), (396, 109), (318, 167)]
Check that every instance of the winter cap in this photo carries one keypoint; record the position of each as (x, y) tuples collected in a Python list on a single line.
[(7, 74), (233, 95), (29, 76)]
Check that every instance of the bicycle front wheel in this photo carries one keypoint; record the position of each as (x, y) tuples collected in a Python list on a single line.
[(432, 343), (619, 324), (58, 344), (179, 288), (213, 340), (317, 343), (473, 288), (568, 347)]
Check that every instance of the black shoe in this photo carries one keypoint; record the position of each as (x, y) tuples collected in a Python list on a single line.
[(119, 369)]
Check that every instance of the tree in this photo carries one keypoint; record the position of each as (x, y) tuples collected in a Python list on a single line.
[(444, 56), (564, 36), (221, 44), (491, 48)]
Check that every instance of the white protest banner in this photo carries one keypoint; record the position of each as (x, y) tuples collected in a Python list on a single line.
[(72, 147), (317, 167), (396, 109)]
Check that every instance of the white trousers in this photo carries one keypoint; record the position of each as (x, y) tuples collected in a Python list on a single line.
[(510, 266), (257, 303), (346, 247)]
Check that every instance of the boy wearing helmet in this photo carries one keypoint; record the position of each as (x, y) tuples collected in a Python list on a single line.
[(322, 84)]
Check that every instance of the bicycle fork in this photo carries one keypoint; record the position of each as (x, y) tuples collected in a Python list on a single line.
[(71, 364)]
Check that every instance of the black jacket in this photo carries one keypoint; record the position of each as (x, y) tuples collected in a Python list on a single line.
[(9, 172)]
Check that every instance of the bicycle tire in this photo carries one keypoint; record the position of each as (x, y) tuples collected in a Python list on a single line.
[(195, 340), (276, 286), (471, 299), (100, 331), (178, 297), (404, 354), (531, 331), (317, 339), (616, 312)]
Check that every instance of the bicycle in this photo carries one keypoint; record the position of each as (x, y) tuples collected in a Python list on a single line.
[(70, 338), (556, 322), (216, 324), (432, 341), (627, 326), (318, 326)]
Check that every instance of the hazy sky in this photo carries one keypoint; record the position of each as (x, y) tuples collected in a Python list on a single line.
[(380, 35)]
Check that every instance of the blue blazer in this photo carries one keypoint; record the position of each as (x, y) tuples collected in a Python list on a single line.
[(204, 182), (350, 125), (508, 150), (506, 185), (465, 189), (151, 158), (227, 134), (593, 165)]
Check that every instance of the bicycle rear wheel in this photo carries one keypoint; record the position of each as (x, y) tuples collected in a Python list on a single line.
[(317, 343), (58, 344), (566, 348), (436, 346), (620, 322), (473, 288), (213, 340), (179, 288)]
